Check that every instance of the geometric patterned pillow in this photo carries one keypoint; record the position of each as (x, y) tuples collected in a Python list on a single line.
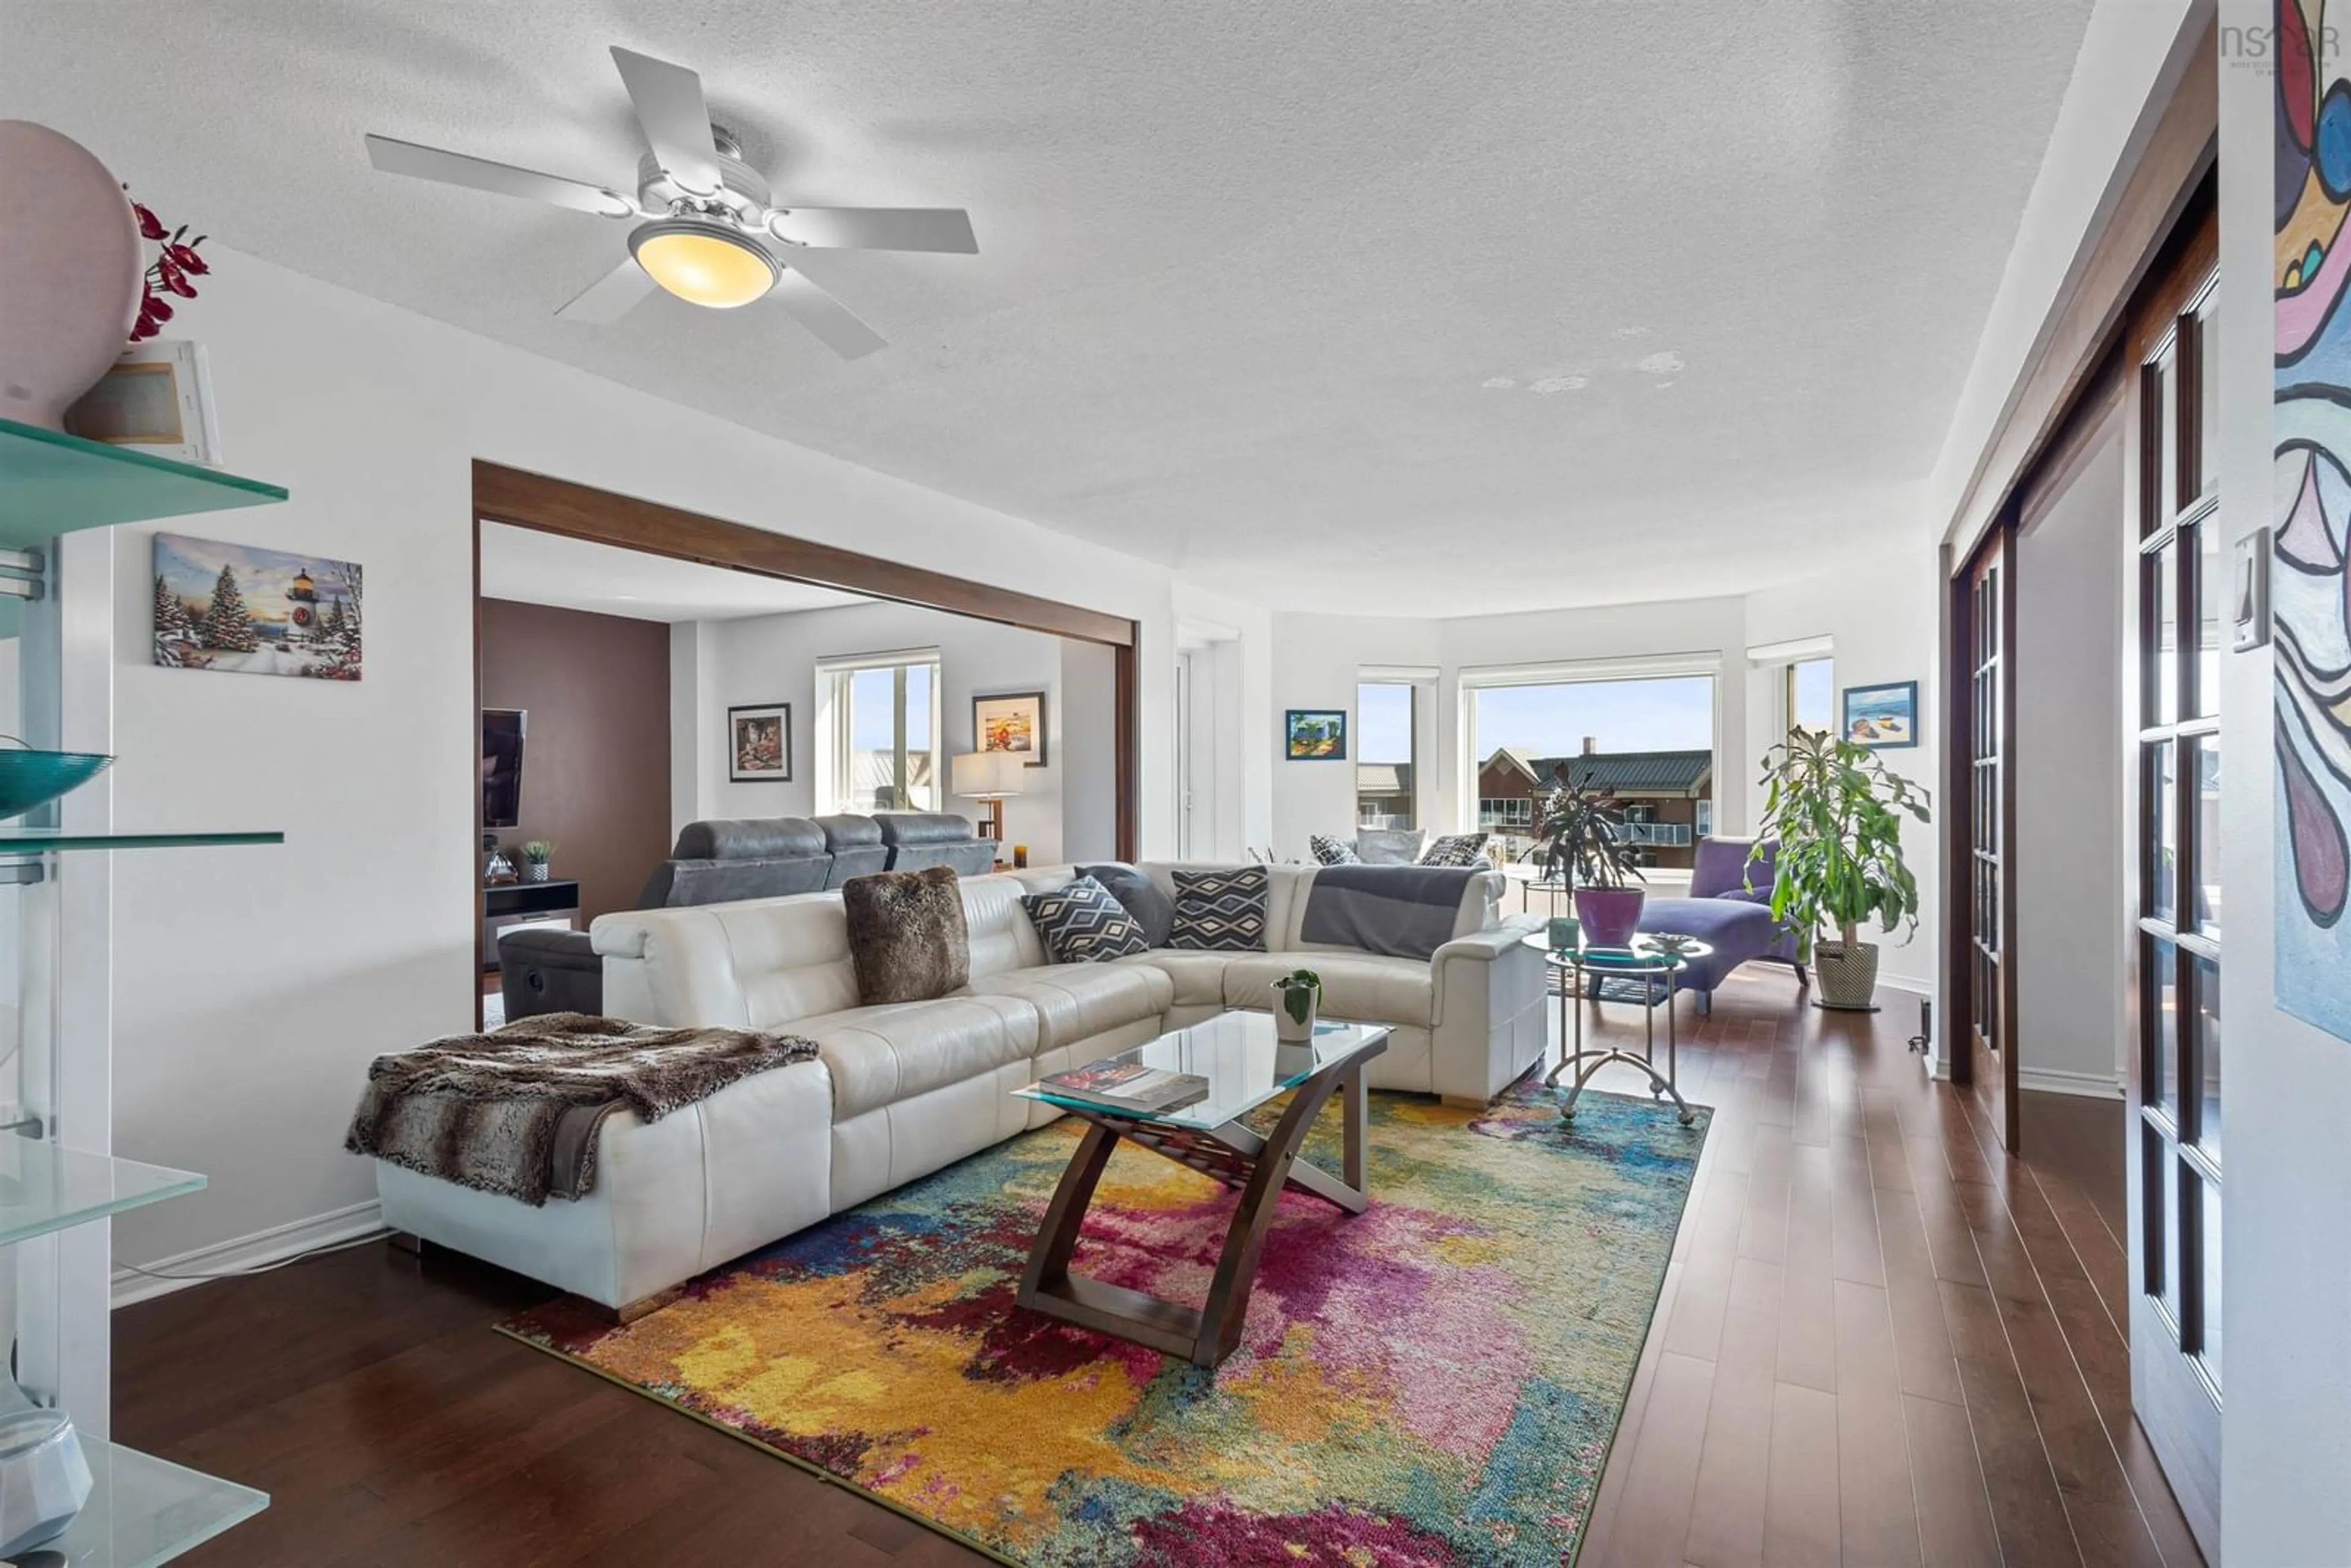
[(1082, 924), (1457, 850), (1220, 910), (1333, 851)]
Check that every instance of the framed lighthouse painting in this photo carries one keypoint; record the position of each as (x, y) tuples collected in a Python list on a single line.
[(255, 612)]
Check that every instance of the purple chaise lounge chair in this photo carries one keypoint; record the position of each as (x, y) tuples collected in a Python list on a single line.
[(1722, 912)]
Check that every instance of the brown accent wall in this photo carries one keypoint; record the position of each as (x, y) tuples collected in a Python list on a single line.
[(595, 772)]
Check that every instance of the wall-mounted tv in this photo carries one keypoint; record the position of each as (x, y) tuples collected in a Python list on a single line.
[(502, 729)]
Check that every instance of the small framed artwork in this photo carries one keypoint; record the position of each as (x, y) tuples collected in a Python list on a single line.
[(760, 743), (1883, 718), (1314, 735), (158, 399), (1011, 721)]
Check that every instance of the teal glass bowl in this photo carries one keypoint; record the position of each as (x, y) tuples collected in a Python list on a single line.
[(30, 779)]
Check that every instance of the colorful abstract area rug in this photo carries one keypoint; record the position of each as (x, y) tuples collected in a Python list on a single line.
[(1432, 1384)]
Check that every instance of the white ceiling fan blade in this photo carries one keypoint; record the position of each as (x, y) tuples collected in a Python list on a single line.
[(828, 317), (610, 297), (499, 179), (676, 120), (876, 228)]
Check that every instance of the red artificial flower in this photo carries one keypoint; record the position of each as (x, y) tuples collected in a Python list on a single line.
[(176, 264)]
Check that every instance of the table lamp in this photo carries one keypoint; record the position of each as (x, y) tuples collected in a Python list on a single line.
[(991, 776)]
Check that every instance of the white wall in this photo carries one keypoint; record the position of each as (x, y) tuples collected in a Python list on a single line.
[(1088, 759), (1316, 661), (689, 758), (766, 659), (2066, 871), (1232, 737), (1878, 610), (252, 987), (2286, 1220)]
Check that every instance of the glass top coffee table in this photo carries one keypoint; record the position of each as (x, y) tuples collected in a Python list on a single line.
[(1646, 961), (1246, 1066)]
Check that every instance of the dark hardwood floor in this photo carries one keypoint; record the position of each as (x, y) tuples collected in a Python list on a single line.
[(1880, 1342)]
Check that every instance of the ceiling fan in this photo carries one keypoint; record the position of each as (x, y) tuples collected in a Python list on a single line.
[(707, 230)]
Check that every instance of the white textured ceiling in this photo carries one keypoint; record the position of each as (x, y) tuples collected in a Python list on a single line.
[(534, 567), (1382, 305)]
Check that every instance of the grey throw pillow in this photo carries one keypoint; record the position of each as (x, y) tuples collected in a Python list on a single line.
[(1153, 910), (1389, 846), (1082, 924), (907, 938)]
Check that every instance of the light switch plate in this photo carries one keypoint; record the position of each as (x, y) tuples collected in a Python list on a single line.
[(2250, 601)]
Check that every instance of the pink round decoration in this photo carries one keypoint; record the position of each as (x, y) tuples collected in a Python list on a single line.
[(70, 272)]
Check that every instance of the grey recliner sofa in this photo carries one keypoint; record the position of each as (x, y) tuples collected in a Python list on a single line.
[(542, 970), (920, 840), (856, 847), (724, 861)]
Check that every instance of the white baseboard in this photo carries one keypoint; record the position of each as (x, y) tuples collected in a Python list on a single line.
[(2053, 1080), (274, 1245)]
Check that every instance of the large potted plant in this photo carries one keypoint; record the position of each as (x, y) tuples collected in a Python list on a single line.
[(1837, 813), (1579, 841)]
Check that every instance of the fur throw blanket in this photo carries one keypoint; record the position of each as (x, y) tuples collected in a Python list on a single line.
[(516, 1111)]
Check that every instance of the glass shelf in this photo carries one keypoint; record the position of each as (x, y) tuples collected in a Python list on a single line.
[(15, 840), (144, 1510), (51, 483), (45, 1187)]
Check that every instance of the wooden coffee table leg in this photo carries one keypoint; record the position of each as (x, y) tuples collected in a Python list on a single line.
[(1209, 1333), (1226, 1308), (1048, 1260)]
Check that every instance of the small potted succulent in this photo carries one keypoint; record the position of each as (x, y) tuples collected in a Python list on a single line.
[(1579, 841), (535, 855), (1298, 996)]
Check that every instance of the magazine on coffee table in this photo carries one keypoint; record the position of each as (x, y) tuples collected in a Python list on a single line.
[(1127, 1086)]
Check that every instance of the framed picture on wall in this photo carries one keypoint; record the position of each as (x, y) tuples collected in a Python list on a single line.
[(1314, 735), (760, 743), (256, 612), (1883, 718), (1011, 721)]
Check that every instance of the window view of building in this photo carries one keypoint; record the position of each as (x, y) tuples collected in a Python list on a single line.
[(879, 719), (1651, 741), (1383, 763)]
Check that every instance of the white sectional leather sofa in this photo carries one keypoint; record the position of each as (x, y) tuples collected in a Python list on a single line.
[(897, 1092)]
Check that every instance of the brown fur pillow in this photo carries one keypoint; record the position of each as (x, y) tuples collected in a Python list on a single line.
[(906, 935)]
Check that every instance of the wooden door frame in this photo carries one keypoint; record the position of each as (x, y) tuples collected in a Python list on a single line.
[(2183, 1401), (548, 505), (1958, 821), (2063, 396)]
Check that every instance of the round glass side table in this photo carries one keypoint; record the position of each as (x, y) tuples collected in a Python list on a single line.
[(1577, 967)]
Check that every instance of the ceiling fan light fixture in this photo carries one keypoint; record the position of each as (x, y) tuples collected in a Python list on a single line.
[(702, 263)]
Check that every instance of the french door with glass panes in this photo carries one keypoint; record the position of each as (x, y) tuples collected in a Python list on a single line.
[(1984, 616), (2175, 917)]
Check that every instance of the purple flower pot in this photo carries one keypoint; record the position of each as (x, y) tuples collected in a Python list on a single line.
[(1610, 915)]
